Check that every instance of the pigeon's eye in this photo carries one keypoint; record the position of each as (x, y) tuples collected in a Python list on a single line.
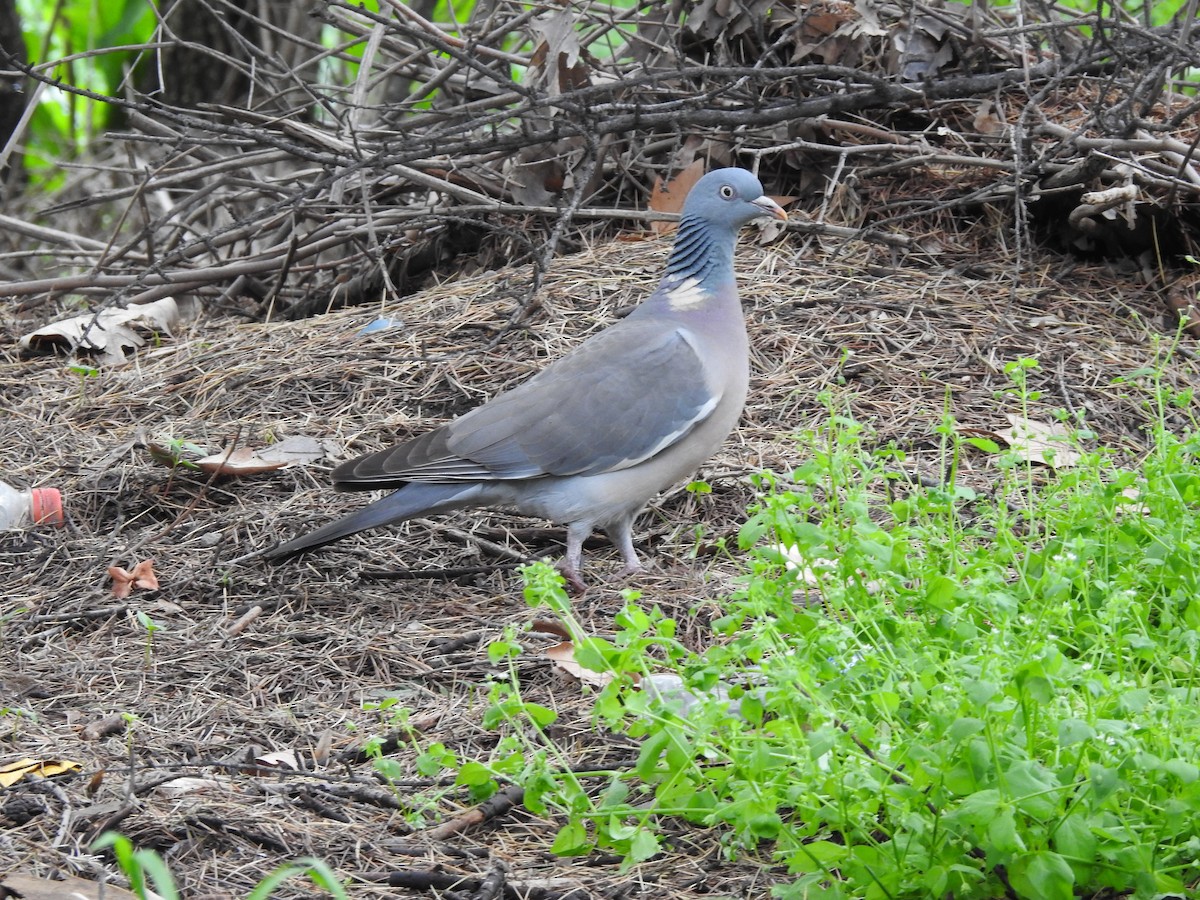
[(727, 191)]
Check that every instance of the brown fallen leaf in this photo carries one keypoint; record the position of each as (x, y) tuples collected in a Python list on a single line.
[(243, 461), (291, 451), (985, 120), (669, 197), (102, 728), (141, 577), (563, 656), (550, 626)]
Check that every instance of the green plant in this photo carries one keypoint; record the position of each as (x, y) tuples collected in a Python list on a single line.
[(917, 692), (431, 761), (139, 866), (150, 627), (175, 451), (143, 867), (16, 716), (84, 372), (90, 44)]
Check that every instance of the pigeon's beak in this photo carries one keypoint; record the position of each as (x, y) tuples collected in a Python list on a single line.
[(770, 208)]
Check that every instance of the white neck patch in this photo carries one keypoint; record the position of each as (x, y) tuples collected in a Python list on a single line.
[(687, 294)]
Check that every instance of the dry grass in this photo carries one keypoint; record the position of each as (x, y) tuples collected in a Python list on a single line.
[(892, 344)]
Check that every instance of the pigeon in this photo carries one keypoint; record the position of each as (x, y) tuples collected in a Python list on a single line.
[(590, 439)]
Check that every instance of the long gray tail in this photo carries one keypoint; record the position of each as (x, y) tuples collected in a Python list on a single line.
[(414, 499)]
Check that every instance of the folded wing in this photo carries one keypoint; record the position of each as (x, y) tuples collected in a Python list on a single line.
[(621, 398)]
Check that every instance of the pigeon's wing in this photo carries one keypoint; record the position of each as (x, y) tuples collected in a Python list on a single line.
[(623, 396)]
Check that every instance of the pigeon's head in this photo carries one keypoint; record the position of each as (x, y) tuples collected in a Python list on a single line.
[(728, 199)]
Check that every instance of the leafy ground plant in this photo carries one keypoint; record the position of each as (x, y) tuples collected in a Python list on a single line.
[(923, 692), (146, 867)]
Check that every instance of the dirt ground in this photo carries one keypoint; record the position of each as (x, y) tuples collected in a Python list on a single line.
[(232, 746)]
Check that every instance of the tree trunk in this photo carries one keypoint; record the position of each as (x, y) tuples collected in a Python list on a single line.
[(226, 42), (13, 96)]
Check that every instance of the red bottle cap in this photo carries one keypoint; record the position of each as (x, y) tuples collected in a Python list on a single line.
[(47, 507)]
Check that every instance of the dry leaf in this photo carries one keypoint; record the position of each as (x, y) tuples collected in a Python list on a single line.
[(101, 728), (141, 577), (563, 656), (295, 451), (669, 197), (246, 461), (11, 773), (68, 888), (243, 461), (1047, 321), (187, 784), (922, 48), (1039, 442), (109, 332), (832, 31), (278, 759), (558, 53), (550, 626), (986, 121)]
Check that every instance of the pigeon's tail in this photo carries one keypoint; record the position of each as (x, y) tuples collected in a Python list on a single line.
[(414, 499)]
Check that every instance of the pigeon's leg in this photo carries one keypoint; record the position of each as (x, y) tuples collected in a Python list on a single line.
[(621, 534), (577, 533)]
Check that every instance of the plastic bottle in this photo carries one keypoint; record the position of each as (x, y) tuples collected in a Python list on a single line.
[(36, 506)]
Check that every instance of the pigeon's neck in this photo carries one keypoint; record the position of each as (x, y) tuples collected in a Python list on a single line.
[(699, 253), (700, 268)]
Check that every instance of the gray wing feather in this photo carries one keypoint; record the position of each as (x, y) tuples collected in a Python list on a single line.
[(623, 396)]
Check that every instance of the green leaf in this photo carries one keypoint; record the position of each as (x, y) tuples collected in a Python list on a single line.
[(644, 845), (388, 768), (541, 716), (766, 826), (571, 840), (1033, 788), (1073, 837), (498, 651), (614, 795), (1103, 780), (979, 808), (987, 445), (1074, 731), (1042, 876), (597, 654), (651, 754), (434, 760), (826, 854), (317, 870), (980, 693), (964, 727), (1002, 833), (473, 774), (1182, 769), (154, 866)]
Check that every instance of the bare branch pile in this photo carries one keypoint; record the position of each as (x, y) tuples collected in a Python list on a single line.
[(361, 152)]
